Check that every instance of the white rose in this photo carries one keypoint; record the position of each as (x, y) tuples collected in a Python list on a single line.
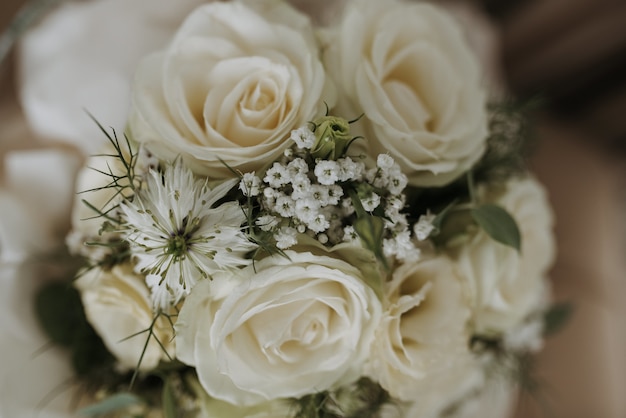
[(34, 201), (76, 60), (506, 286), (91, 187), (118, 305), (408, 69), (284, 328), (496, 399), (26, 378), (230, 87), (421, 349)]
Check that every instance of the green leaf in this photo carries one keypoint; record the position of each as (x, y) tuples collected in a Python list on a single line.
[(114, 403), (556, 317), (370, 229), (499, 224), (60, 312), (169, 401), (89, 353)]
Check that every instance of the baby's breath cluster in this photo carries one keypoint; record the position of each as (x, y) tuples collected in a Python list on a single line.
[(319, 190)]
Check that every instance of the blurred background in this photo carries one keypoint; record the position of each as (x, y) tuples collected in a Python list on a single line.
[(573, 53)]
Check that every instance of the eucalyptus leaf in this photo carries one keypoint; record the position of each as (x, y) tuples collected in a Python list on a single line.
[(556, 317), (114, 403), (499, 224)]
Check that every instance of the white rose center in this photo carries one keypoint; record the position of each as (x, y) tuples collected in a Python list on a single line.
[(298, 327), (248, 98)]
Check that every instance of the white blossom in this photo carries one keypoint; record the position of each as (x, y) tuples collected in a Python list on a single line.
[(385, 161), (349, 169), (424, 226), (370, 202), (277, 176), (303, 137), (327, 172), (267, 222), (297, 166), (176, 236), (319, 223), (250, 185), (285, 206), (285, 237)]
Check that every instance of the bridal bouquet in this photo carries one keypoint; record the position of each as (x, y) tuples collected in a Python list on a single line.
[(305, 221)]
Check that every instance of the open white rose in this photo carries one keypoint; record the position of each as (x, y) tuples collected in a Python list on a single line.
[(34, 201), (74, 61), (408, 69), (496, 399), (421, 349), (231, 86), (506, 286), (118, 305), (283, 328), (93, 197), (28, 374)]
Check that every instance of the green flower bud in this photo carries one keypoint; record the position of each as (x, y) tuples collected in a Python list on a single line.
[(332, 138)]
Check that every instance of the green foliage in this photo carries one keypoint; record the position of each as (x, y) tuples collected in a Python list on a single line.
[(556, 317), (60, 312), (363, 399), (114, 403), (169, 400), (499, 224), (511, 139)]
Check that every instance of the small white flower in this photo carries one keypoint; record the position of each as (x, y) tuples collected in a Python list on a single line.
[(177, 237), (285, 206), (303, 137), (319, 223), (371, 202), (349, 169), (301, 186), (250, 185), (267, 222), (396, 221), (327, 172), (333, 194), (347, 208), (396, 182), (270, 194), (350, 235), (307, 209), (277, 176), (297, 166), (376, 177), (424, 226), (385, 161), (401, 247), (286, 237), (396, 202)]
